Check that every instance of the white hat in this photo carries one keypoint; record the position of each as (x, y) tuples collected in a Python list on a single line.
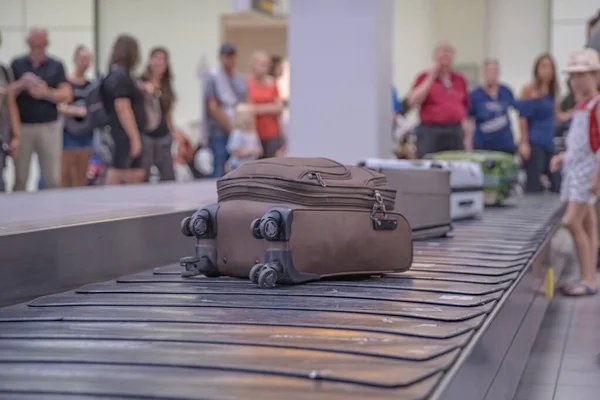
[(586, 60)]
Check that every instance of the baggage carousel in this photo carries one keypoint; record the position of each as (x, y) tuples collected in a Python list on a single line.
[(458, 325)]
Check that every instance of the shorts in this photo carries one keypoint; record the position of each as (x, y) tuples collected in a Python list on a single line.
[(157, 152), (575, 188), (271, 146), (121, 158)]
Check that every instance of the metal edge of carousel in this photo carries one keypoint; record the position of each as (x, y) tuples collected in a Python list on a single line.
[(58, 240), (458, 327)]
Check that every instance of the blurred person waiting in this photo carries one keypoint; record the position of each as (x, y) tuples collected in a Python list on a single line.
[(539, 114), (443, 97), (77, 147), (158, 138), (244, 143), (489, 110), (276, 67), (223, 91), (278, 70), (267, 105), (124, 104), (40, 85), (9, 139), (593, 42), (581, 171)]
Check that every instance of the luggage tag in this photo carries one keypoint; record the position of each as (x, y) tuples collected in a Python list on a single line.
[(381, 221)]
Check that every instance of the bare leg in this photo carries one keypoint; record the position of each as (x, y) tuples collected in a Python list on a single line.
[(114, 176), (136, 175), (574, 222), (590, 225)]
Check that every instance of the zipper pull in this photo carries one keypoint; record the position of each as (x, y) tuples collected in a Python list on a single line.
[(379, 200), (318, 177), (378, 208)]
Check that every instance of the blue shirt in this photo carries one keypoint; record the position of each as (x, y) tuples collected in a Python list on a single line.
[(541, 122), (396, 104), (492, 123), (34, 111)]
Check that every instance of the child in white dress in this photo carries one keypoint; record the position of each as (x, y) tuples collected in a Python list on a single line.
[(580, 169), (244, 144)]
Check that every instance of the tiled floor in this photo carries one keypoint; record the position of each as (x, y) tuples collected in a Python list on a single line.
[(565, 361)]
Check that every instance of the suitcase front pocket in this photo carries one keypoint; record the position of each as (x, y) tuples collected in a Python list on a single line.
[(307, 244)]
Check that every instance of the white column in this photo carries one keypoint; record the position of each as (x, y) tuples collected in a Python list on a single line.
[(340, 55), (568, 28), (462, 23), (413, 39), (518, 31)]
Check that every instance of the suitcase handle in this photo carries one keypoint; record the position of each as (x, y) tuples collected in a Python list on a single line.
[(465, 203)]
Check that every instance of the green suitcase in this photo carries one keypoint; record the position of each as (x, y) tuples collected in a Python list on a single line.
[(501, 172)]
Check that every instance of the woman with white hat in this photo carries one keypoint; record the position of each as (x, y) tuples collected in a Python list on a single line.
[(581, 169)]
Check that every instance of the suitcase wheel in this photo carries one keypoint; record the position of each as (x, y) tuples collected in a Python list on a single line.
[(255, 228), (207, 268), (268, 277), (255, 272), (200, 226), (270, 226), (190, 266), (185, 227), (194, 266)]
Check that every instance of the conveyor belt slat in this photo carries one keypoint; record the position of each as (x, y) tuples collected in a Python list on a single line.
[(385, 308)]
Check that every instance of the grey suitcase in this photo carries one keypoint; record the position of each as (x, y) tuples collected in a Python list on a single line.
[(422, 196)]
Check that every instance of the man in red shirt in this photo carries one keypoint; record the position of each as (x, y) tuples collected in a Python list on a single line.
[(443, 97)]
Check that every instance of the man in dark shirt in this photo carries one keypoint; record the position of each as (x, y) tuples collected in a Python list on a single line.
[(40, 84)]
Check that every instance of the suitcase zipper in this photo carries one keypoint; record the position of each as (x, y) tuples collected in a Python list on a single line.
[(318, 177), (374, 200), (300, 187)]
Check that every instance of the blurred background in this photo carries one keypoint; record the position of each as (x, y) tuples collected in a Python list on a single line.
[(514, 32)]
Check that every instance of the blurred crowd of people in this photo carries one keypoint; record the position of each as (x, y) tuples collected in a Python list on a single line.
[(559, 139), (44, 111), (452, 117), (119, 128)]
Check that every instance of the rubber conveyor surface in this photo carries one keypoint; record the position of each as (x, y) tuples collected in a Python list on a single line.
[(157, 335)]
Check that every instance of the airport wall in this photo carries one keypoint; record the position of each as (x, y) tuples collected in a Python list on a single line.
[(514, 31)]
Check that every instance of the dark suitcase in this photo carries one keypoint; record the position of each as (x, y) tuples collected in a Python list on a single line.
[(293, 220)]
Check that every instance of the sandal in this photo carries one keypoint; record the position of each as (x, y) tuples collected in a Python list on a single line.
[(577, 289)]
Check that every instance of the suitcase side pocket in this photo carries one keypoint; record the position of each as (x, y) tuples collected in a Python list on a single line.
[(308, 244)]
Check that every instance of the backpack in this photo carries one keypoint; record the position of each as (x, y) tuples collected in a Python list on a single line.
[(6, 78), (96, 117)]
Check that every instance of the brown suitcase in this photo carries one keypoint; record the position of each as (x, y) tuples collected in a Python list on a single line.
[(293, 220)]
